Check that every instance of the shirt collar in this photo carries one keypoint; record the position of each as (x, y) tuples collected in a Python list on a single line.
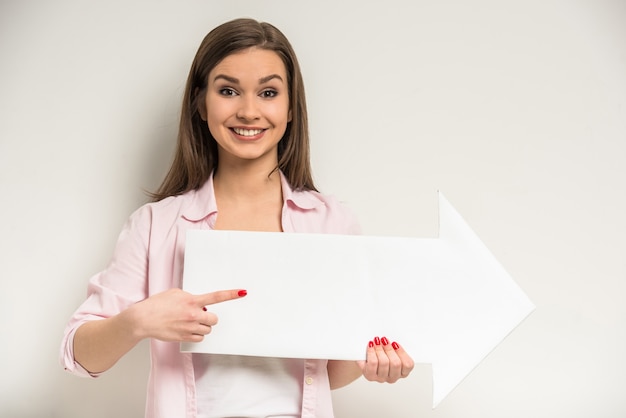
[(203, 202), (305, 200)]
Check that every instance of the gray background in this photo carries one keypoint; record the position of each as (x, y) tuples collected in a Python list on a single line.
[(515, 110)]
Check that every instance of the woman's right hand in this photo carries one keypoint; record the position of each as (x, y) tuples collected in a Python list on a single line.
[(176, 315)]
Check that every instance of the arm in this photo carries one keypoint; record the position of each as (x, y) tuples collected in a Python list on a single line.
[(99, 344), (173, 315), (341, 373), (102, 329), (385, 362)]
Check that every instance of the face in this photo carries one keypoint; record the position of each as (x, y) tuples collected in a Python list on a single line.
[(247, 106)]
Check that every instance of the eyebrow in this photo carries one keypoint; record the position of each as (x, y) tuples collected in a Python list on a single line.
[(234, 80)]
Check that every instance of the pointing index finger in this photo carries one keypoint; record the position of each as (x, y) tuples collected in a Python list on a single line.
[(220, 296)]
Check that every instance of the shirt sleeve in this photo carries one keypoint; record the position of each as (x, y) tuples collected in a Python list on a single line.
[(122, 283)]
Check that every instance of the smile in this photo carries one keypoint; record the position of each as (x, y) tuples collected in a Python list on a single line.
[(247, 132)]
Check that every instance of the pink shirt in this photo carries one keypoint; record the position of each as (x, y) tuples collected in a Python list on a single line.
[(148, 259)]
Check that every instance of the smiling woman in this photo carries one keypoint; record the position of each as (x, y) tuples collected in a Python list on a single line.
[(242, 163), (196, 155)]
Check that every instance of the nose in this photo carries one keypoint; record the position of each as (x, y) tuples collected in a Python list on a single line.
[(248, 109)]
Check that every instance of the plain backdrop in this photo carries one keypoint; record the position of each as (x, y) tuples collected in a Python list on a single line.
[(515, 110)]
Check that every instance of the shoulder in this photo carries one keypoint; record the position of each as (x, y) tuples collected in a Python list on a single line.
[(169, 207), (312, 211), (163, 214)]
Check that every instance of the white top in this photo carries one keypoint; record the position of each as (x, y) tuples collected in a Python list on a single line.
[(248, 387)]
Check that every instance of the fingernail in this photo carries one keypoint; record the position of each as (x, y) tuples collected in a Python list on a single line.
[(377, 341), (242, 293), (384, 340), (395, 345), (371, 344), (204, 308)]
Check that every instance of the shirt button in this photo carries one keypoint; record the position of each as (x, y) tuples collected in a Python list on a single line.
[(308, 380)]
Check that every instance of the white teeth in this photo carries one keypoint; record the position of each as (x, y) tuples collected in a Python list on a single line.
[(247, 132)]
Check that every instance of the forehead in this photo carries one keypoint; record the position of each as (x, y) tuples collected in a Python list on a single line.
[(252, 63)]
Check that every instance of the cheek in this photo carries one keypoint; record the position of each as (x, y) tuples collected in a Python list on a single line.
[(215, 104), (215, 123), (216, 113), (282, 113)]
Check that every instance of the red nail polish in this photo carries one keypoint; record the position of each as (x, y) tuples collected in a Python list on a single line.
[(371, 344), (242, 293), (395, 345), (377, 341), (384, 340), (204, 308)]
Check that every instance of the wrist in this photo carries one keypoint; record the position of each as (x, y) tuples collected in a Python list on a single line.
[(131, 324)]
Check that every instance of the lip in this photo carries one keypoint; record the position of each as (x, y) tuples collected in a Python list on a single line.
[(248, 130)]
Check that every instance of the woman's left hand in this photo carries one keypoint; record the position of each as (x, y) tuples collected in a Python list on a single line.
[(386, 362)]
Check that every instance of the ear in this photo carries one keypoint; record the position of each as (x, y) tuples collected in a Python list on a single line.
[(199, 94), (289, 116)]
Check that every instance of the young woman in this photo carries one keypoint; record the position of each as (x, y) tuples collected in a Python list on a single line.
[(241, 163)]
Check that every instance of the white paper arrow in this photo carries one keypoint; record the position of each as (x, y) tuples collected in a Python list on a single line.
[(447, 301)]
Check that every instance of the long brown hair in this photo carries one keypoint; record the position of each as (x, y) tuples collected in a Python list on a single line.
[(196, 151)]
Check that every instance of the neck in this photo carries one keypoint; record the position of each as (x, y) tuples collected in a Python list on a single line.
[(246, 183)]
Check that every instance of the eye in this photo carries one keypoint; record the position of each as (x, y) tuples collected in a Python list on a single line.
[(227, 92), (269, 93)]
